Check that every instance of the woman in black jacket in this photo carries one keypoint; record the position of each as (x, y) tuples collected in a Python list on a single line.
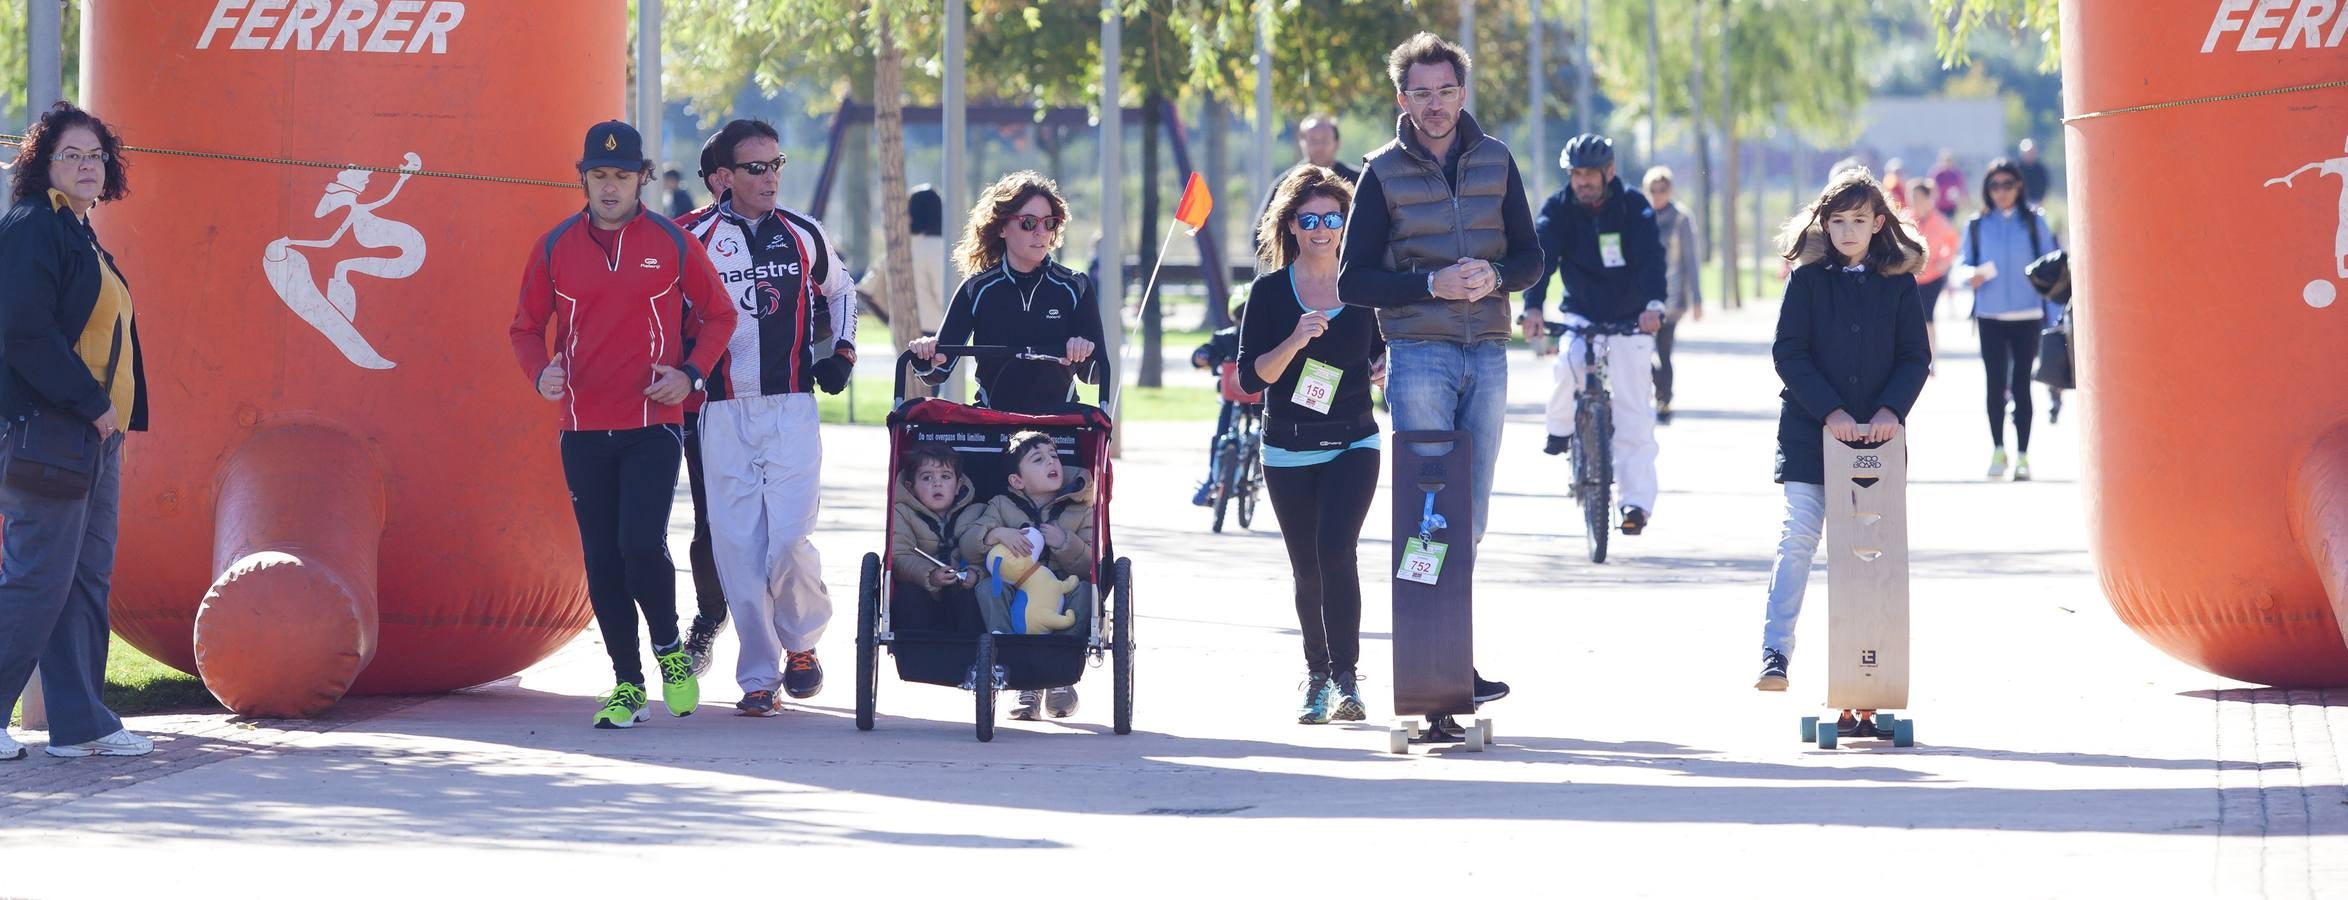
[(1014, 294), (71, 355), (1314, 360), (1852, 353)]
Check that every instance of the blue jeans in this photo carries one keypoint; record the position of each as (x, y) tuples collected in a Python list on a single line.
[(56, 565), (1797, 546), (1442, 386)]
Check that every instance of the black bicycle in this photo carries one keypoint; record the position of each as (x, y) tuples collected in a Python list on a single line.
[(1590, 450), (1238, 475)]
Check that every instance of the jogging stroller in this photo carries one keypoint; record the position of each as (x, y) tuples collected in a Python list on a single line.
[(981, 661)]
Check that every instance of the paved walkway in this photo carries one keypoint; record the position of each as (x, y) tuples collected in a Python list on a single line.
[(2058, 756)]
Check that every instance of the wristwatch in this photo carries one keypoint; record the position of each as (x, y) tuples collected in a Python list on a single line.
[(693, 376), (1430, 284)]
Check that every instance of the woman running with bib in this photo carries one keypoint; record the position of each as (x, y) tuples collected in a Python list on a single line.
[(1315, 360)]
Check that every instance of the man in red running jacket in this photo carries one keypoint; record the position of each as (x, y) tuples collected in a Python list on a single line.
[(622, 286)]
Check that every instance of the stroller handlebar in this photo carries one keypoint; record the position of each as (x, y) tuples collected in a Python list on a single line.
[(906, 361)]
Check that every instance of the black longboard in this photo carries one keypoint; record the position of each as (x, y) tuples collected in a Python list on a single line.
[(1434, 646)]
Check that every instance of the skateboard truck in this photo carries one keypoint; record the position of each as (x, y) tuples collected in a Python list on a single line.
[(1439, 730), (1879, 725)]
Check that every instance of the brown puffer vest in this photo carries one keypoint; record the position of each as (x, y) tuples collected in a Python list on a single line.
[(1433, 227)]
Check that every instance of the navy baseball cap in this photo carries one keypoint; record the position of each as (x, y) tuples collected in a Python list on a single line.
[(613, 143)]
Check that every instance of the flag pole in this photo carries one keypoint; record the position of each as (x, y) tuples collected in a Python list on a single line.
[(1125, 357)]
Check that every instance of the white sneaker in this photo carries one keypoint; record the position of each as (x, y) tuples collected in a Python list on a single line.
[(1997, 463), (10, 748), (120, 743)]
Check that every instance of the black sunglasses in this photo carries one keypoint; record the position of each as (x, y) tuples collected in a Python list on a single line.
[(2002, 183), (762, 167), (1311, 221), (1048, 223)]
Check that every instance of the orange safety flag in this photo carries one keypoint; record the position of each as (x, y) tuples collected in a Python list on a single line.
[(1192, 211)]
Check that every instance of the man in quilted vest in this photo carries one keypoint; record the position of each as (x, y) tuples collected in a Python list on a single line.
[(1439, 235)]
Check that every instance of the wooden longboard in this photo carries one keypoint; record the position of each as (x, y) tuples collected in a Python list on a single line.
[(1434, 648), (1867, 574)]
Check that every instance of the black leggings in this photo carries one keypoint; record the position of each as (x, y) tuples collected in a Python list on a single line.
[(2008, 349), (709, 596), (1321, 509), (622, 485)]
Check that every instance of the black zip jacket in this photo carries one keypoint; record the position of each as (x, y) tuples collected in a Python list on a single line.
[(1040, 309), (1569, 247), (49, 281), (1852, 341), (1352, 344)]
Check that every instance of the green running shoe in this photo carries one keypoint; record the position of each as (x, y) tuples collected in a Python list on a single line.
[(678, 688), (622, 708), (1349, 706), (1318, 692)]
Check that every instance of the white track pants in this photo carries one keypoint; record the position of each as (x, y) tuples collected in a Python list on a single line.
[(1629, 368), (761, 457)]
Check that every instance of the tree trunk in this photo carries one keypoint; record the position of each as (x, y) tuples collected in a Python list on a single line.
[(1732, 159), (1732, 250), (1703, 151), (1152, 368), (897, 226), (1759, 191), (1215, 120)]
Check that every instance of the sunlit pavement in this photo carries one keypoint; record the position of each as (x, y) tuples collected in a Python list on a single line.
[(2057, 755)]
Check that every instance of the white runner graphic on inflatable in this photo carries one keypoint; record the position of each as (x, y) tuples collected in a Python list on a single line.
[(335, 309), (2320, 293)]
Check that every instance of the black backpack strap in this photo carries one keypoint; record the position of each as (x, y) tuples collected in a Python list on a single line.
[(1973, 241), (2032, 216)]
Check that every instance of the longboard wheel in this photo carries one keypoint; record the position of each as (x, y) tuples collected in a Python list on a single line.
[(1475, 738), (1809, 729), (1486, 725), (1826, 735), (1411, 728), (1903, 733), (1884, 720), (1397, 742)]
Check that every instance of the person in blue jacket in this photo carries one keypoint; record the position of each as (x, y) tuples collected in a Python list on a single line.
[(1995, 249)]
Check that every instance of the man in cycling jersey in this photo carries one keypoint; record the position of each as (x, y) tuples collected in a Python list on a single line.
[(1599, 238), (761, 449)]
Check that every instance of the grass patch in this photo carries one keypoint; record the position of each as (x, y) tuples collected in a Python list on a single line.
[(871, 396), (1172, 404), (137, 685)]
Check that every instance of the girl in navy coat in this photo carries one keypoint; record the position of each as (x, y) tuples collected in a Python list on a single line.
[(1852, 353)]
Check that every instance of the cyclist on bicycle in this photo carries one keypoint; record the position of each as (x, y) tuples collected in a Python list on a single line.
[(1221, 349), (1600, 239)]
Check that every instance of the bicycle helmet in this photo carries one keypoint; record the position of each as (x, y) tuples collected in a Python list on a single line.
[(1586, 151)]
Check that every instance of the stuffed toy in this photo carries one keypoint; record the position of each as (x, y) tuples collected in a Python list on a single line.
[(1036, 599)]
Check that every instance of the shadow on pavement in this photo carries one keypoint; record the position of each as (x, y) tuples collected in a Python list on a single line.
[(545, 785)]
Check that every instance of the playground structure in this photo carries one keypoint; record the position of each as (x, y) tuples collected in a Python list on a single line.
[(1211, 271)]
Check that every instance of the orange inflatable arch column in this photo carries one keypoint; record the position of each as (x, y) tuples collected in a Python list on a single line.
[(2207, 147), (349, 487)]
